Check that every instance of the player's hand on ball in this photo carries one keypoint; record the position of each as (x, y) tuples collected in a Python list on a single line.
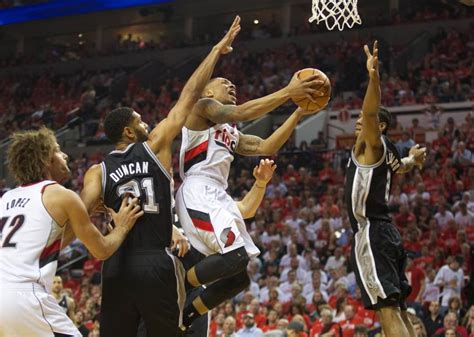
[(225, 45), (128, 213), (179, 242), (372, 60), (263, 173), (419, 154), (298, 88)]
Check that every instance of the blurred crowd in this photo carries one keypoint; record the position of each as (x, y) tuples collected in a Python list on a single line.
[(49, 52), (443, 75), (302, 283)]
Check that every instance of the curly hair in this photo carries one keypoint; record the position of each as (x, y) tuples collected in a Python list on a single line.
[(29, 153)]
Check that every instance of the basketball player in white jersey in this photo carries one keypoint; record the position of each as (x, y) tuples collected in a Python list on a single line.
[(210, 218), (32, 220), (64, 300)]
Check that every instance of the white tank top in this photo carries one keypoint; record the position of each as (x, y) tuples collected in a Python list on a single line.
[(208, 153), (30, 239)]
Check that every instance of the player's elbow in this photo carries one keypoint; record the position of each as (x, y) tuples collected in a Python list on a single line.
[(102, 253), (266, 149), (244, 211), (100, 256), (248, 213)]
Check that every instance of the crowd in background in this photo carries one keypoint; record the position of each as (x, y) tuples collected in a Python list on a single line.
[(443, 75), (302, 283), (303, 276), (53, 52)]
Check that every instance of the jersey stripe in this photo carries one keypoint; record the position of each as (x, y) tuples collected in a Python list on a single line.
[(199, 158), (50, 253), (197, 150), (156, 160), (201, 220), (44, 187)]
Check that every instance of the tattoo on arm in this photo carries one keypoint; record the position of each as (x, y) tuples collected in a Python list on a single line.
[(221, 113), (249, 145)]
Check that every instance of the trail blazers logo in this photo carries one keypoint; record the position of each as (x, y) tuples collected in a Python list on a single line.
[(228, 237)]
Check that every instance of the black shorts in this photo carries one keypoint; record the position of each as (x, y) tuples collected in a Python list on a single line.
[(379, 260), (200, 326), (149, 287)]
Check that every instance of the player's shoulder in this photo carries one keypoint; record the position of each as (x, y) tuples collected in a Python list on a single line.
[(59, 193), (93, 171)]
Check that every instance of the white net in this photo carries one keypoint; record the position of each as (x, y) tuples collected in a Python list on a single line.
[(336, 13)]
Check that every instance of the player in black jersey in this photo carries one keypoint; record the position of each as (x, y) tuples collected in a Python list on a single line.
[(65, 302), (142, 280), (378, 256)]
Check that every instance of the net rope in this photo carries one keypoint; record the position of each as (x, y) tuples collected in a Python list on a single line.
[(335, 13)]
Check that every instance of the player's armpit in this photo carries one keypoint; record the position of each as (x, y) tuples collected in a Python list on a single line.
[(68, 236), (249, 145)]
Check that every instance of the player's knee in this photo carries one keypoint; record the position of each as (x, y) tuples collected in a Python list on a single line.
[(237, 259)]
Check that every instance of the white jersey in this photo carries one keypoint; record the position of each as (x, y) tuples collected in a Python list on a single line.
[(30, 239), (208, 153)]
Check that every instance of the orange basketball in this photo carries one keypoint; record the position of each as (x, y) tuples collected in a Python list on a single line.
[(319, 101)]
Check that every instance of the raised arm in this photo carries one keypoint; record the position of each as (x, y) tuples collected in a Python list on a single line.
[(263, 174), (65, 206), (250, 145), (164, 133), (218, 113), (370, 132)]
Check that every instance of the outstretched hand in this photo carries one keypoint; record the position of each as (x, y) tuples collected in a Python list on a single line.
[(264, 171), (419, 155), (372, 60), (225, 45)]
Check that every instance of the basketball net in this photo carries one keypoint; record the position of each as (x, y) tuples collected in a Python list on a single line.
[(338, 13)]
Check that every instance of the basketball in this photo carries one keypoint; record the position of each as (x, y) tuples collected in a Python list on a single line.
[(319, 101)]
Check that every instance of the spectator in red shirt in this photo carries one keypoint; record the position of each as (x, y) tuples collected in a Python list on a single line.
[(325, 325), (272, 321), (259, 318), (296, 329), (416, 279), (450, 322), (216, 325), (349, 324), (413, 243)]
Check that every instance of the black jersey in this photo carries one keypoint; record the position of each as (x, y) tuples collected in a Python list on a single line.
[(368, 186), (138, 171)]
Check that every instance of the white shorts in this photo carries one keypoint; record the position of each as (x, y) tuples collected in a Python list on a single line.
[(211, 219), (27, 310)]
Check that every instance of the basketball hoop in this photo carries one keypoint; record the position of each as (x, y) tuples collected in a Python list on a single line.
[(338, 13)]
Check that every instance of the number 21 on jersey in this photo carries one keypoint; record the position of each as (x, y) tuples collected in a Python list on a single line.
[(135, 186)]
